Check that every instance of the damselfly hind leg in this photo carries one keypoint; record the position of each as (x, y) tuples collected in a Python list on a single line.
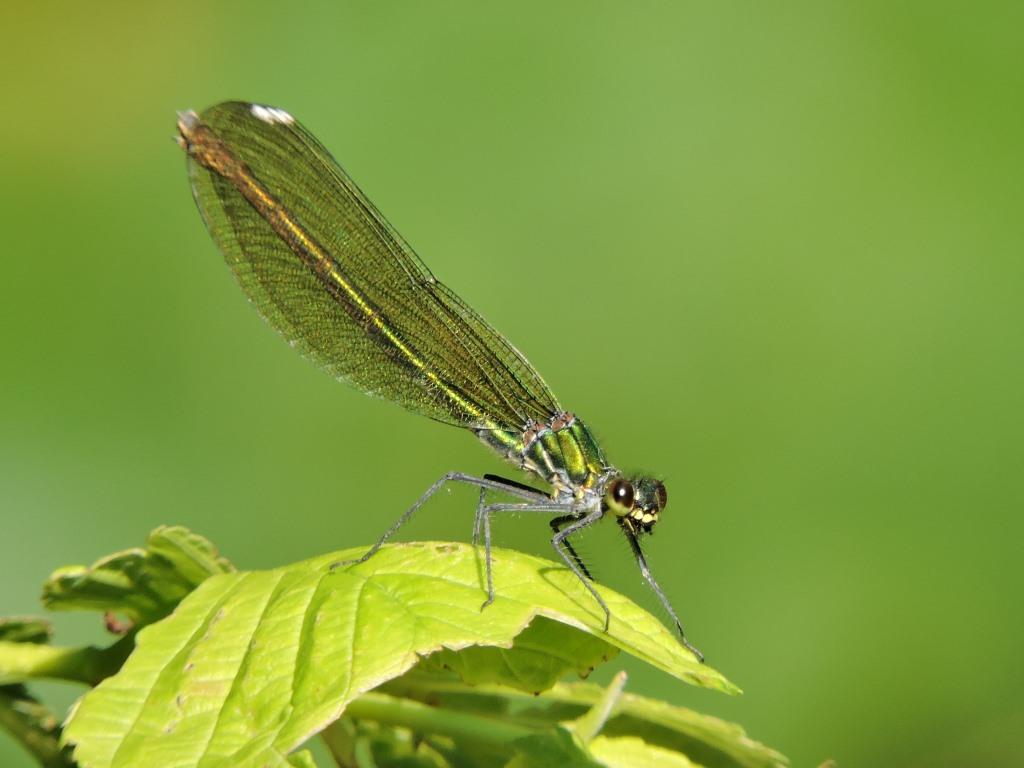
[(451, 477), (478, 517)]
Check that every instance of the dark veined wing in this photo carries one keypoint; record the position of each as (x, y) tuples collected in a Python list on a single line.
[(327, 271)]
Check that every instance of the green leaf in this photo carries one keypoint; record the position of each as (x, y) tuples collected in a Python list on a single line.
[(567, 744), (630, 751), (252, 664), (388, 747), (579, 744), (558, 747), (303, 759), (144, 584), (21, 629), (707, 740), (25, 653), (540, 656), (33, 726)]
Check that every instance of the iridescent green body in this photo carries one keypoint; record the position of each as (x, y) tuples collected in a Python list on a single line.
[(562, 452), (324, 268)]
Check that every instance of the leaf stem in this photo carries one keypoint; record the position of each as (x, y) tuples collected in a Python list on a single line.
[(33, 726), (590, 724), (89, 665), (434, 720)]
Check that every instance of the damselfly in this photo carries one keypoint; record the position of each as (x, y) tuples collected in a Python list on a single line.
[(327, 271)]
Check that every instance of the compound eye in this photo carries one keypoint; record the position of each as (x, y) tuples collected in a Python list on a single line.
[(621, 495), (660, 495)]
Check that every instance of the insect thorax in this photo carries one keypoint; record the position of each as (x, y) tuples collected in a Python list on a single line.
[(561, 451)]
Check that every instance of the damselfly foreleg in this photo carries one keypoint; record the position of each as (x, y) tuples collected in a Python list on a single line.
[(645, 571)]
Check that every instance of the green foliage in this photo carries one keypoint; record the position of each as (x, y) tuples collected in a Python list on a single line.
[(20, 712), (144, 584), (392, 661)]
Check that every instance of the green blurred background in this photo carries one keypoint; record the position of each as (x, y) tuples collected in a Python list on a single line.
[(802, 223)]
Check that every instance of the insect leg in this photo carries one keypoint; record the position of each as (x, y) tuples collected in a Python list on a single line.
[(546, 507), (450, 477), (557, 542), (540, 496), (478, 518), (556, 526), (646, 573)]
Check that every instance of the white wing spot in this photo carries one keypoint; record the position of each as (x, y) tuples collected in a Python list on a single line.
[(271, 114)]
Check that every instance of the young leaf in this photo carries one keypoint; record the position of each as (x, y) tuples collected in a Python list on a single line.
[(144, 584), (22, 629), (252, 664)]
